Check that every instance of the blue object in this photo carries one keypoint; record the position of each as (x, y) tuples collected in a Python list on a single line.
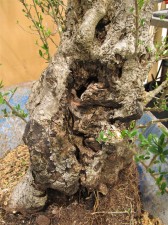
[(12, 128), (153, 202)]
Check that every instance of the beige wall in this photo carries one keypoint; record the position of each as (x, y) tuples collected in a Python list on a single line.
[(18, 53), (19, 58)]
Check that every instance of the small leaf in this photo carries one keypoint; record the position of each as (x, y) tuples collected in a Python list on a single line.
[(136, 159), (140, 3), (40, 53), (162, 158), (165, 132), (161, 139), (124, 133), (5, 112), (150, 137), (150, 171), (141, 137), (153, 149), (101, 135), (1, 100), (133, 133), (165, 152), (131, 9), (147, 157), (163, 187), (45, 47), (142, 22), (110, 133), (1, 84), (159, 179)]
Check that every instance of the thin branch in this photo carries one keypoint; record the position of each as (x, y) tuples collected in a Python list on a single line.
[(27, 30), (150, 95), (152, 122), (13, 110), (154, 109), (136, 26), (152, 160), (104, 212)]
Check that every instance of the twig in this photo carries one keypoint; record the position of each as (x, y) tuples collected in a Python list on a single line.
[(26, 30), (136, 26), (152, 160), (152, 122), (13, 110), (150, 95), (104, 212), (154, 109)]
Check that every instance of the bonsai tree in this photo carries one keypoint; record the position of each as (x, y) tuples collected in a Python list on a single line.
[(94, 82)]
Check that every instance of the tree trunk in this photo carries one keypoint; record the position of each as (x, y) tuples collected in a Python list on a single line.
[(93, 83)]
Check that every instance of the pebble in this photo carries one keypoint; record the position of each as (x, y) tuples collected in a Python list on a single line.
[(103, 189), (42, 220)]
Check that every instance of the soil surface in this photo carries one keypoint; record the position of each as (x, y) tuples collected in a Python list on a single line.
[(119, 204)]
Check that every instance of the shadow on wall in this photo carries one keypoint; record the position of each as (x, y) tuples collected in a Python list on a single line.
[(19, 58)]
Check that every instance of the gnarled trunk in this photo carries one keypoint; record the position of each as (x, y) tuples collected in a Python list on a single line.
[(93, 83)]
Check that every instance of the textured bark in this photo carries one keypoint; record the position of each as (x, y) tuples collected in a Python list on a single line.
[(95, 81)]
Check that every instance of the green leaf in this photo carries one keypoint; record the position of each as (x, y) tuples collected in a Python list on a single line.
[(162, 158), (150, 137), (147, 157), (110, 133), (37, 2), (142, 22), (140, 3), (101, 135), (150, 171), (17, 107), (98, 140), (41, 18), (6, 94), (131, 9), (165, 152), (163, 187), (132, 124), (141, 157), (159, 179), (136, 158), (40, 53), (164, 173), (153, 149), (124, 133), (161, 139), (5, 112), (13, 91), (160, 150), (1, 84), (162, 17), (156, 161), (45, 47), (141, 137), (1, 100), (48, 32), (165, 132), (133, 133)]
